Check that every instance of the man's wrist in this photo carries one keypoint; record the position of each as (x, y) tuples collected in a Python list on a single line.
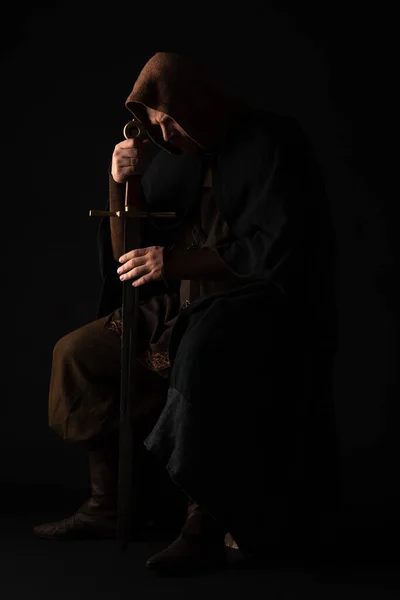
[(193, 263)]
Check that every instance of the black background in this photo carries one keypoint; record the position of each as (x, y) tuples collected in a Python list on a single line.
[(65, 75)]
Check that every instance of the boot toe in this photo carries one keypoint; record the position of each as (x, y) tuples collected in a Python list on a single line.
[(55, 530), (184, 557), (77, 527)]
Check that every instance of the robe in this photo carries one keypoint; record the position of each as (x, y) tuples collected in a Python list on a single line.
[(248, 427)]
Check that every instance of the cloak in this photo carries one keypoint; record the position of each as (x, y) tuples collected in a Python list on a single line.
[(248, 428)]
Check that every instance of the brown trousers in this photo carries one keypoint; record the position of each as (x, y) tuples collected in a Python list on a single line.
[(85, 385)]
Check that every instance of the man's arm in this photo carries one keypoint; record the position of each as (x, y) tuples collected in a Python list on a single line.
[(195, 264)]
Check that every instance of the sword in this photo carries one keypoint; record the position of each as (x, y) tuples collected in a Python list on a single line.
[(130, 302)]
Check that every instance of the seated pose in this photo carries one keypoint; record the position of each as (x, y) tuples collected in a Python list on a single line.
[(237, 321)]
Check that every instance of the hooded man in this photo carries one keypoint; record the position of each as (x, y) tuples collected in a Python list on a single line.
[(237, 321)]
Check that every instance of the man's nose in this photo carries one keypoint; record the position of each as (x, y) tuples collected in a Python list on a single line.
[(166, 133)]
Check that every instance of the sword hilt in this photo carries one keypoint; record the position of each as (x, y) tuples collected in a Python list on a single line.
[(133, 129)]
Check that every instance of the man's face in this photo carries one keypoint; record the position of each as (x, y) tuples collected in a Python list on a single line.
[(172, 132)]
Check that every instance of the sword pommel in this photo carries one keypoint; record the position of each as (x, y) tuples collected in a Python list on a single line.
[(135, 129)]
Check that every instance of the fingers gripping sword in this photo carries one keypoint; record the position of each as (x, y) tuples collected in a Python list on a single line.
[(130, 301)]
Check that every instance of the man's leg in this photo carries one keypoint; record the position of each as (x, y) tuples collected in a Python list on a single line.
[(84, 407)]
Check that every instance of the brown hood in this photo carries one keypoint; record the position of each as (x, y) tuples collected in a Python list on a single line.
[(178, 86)]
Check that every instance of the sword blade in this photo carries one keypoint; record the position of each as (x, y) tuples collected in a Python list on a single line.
[(130, 301)]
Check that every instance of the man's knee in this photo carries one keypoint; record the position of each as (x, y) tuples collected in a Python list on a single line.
[(92, 347), (84, 339), (68, 345)]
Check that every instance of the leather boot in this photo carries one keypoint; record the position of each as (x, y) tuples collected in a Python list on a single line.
[(199, 547), (97, 517)]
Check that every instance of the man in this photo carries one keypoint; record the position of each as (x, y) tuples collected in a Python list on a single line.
[(237, 320)]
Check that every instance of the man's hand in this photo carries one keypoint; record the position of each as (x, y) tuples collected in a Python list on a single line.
[(143, 265), (129, 158)]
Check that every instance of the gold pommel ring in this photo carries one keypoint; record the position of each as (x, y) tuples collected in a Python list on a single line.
[(134, 129)]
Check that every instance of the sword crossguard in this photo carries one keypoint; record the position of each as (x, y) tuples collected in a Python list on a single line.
[(129, 212)]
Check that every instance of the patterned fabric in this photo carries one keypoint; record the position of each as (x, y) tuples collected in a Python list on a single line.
[(155, 361), (115, 325)]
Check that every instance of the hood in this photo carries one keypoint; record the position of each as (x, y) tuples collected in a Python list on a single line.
[(178, 86)]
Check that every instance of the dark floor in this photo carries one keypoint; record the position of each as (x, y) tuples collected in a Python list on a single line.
[(361, 565)]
